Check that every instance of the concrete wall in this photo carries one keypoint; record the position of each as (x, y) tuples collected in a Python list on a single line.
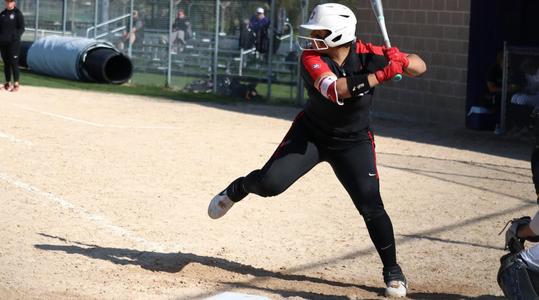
[(438, 31)]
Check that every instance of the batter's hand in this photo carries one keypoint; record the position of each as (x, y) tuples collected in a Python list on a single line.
[(394, 54), (391, 70)]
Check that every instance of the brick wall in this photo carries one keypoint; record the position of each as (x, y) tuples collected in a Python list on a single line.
[(438, 31)]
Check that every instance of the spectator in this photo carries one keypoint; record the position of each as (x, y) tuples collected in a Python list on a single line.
[(259, 21), (493, 93), (11, 30), (247, 36), (525, 101), (181, 31), (135, 36), (530, 68), (259, 25)]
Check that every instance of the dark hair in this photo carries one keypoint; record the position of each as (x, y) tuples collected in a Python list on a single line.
[(349, 44)]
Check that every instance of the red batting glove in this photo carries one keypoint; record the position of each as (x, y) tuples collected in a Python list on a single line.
[(390, 71), (394, 54)]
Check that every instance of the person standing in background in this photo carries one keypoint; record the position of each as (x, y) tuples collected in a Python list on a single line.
[(135, 35), (11, 30), (181, 31), (258, 21)]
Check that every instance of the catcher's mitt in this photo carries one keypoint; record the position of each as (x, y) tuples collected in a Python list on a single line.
[(512, 242)]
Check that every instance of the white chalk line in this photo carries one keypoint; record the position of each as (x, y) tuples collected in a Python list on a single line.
[(15, 140), (94, 124), (96, 218)]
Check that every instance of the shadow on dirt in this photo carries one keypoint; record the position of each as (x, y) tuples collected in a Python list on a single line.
[(442, 296), (448, 136), (176, 262)]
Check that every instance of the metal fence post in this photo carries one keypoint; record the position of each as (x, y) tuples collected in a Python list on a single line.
[(64, 17), (96, 14), (169, 53), (300, 91), (129, 46), (216, 43), (271, 43), (36, 25), (505, 78), (105, 6)]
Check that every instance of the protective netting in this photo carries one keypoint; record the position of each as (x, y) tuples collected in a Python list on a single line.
[(175, 42)]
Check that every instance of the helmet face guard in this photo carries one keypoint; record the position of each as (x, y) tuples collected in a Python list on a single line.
[(306, 43)]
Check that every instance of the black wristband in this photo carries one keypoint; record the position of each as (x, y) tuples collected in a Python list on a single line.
[(358, 85)]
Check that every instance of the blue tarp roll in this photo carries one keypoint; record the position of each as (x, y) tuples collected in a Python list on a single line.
[(63, 56)]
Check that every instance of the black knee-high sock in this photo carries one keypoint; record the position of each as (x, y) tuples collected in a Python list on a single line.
[(381, 232), (235, 191)]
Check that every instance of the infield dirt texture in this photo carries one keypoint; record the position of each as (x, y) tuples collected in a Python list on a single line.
[(105, 196)]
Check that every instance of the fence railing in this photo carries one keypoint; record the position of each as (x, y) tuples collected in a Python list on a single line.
[(163, 56), (104, 24)]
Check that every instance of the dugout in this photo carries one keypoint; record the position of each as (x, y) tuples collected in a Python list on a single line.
[(493, 24)]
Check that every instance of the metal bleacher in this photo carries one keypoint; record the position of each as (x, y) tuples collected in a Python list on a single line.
[(196, 59)]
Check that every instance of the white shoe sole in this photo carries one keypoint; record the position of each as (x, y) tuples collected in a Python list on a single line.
[(397, 292), (219, 206)]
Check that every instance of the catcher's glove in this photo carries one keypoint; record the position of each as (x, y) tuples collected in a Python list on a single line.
[(512, 242)]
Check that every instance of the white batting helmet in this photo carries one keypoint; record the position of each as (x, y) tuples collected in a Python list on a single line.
[(337, 18)]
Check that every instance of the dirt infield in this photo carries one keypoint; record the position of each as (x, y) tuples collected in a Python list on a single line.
[(105, 197)]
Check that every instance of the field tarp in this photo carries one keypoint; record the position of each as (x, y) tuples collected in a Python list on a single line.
[(62, 56)]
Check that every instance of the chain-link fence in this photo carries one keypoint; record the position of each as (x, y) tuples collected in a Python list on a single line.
[(520, 88), (200, 46)]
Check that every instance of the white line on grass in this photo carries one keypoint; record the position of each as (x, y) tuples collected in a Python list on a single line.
[(96, 218), (94, 124), (15, 140)]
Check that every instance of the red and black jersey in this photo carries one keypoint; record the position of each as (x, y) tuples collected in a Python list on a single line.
[(350, 121)]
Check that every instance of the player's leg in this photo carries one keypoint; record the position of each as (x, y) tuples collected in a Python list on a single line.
[(4, 51), (356, 169), (294, 157), (14, 49)]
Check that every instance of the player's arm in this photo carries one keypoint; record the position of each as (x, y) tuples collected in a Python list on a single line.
[(530, 230), (416, 66), (342, 88), (412, 64), (339, 89)]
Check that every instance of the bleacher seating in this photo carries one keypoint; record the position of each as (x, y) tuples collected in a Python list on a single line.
[(196, 59)]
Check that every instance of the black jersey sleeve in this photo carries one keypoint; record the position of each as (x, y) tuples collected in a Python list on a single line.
[(20, 24)]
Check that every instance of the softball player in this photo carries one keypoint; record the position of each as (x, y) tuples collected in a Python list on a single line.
[(340, 74), (11, 30)]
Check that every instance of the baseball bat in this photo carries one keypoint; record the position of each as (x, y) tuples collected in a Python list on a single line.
[(378, 10)]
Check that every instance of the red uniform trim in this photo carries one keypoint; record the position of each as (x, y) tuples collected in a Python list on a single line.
[(314, 64), (367, 48), (374, 154), (285, 139)]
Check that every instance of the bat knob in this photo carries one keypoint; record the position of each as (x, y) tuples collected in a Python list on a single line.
[(397, 77)]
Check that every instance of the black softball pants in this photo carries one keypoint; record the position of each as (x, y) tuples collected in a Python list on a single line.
[(354, 166), (10, 57)]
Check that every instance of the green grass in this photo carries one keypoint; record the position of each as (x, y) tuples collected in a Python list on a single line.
[(152, 85), (150, 88)]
